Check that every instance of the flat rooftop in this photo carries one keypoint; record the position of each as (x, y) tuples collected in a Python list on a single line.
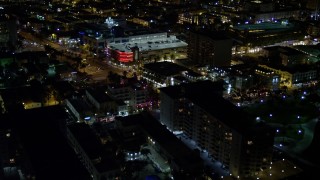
[(149, 45), (285, 50), (165, 68), (45, 145), (93, 147), (99, 94), (205, 94), (263, 26), (184, 157), (80, 105)]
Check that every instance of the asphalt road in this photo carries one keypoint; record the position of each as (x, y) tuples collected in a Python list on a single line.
[(98, 69)]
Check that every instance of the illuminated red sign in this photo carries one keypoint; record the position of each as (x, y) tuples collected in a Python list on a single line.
[(122, 56)]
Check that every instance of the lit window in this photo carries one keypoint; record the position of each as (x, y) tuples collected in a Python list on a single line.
[(12, 160)]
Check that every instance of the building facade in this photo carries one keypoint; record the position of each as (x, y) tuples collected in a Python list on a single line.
[(8, 31), (133, 95), (145, 47), (91, 153), (240, 143), (293, 77), (209, 48), (104, 104)]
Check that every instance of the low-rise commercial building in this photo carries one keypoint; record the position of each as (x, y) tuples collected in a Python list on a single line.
[(162, 74), (287, 56), (104, 104), (79, 109), (293, 77), (135, 95), (146, 47)]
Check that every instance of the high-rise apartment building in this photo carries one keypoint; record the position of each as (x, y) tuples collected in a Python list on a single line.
[(228, 134), (209, 48), (8, 30)]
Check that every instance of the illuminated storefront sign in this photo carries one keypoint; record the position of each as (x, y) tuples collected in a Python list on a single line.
[(122, 56)]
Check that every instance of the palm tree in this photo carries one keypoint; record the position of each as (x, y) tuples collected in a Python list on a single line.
[(172, 57), (156, 58), (1, 109), (57, 96), (165, 57)]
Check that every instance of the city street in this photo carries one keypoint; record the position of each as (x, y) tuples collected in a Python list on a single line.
[(97, 69)]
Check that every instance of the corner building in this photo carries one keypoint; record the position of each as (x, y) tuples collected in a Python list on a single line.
[(230, 136)]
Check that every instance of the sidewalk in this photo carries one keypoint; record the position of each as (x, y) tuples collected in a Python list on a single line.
[(298, 146), (214, 165)]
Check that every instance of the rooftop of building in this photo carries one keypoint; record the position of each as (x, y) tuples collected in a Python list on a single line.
[(193, 74), (300, 68), (5, 123), (80, 105), (41, 133), (93, 27), (92, 146), (284, 50), (128, 121), (264, 26), (206, 87), (138, 31), (185, 158), (16, 95), (31, 55), (68, 19), (275, 11), (313, 50), (5, 55), (120, 103), (146, 18), (239, 69), (118, 85), (149, 45), (213, 35), (165, 68), (264, 70), (99, 94), (129, 83), (205, 94), (64, 87), (181, 78)]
